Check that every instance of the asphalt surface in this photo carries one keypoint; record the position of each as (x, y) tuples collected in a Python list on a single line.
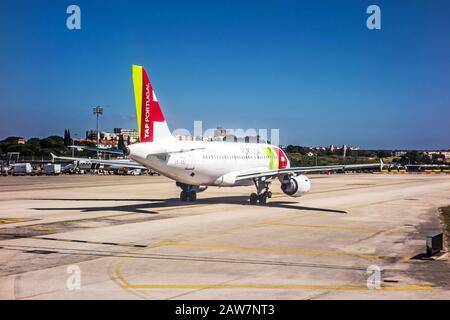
[(129, 237)]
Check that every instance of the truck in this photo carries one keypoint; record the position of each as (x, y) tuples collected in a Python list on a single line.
[(52, 169), (21, 169)]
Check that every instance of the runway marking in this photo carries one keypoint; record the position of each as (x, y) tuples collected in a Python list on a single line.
[(95, 242), (361, 187), (42, 229), (103, 217), (115, 273), (273, 250), (127, 285), (274, 223), (371, 204), (368, 186), (14, 220)]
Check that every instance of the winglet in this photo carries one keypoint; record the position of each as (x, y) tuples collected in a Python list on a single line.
[(381, 164)]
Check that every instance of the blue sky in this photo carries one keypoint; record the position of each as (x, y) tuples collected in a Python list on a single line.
[(310, 68)]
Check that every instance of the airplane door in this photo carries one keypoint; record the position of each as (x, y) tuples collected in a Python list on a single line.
[(190, 161)]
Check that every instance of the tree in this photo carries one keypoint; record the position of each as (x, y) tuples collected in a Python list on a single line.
[(21, 148), (67, 139), (52, 142), (414, 157), (33, 144), (384, 153), (121, 144), (437, 158)]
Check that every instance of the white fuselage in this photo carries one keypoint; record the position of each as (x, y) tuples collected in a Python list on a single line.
[(210, 163)]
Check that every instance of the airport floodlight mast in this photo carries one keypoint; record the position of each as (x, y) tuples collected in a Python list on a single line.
[(97, 111)]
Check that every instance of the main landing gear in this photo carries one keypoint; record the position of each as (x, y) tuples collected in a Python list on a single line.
[(262, 191), (188, 192)]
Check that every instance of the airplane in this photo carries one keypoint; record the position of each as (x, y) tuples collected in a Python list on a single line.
[(197, 165)]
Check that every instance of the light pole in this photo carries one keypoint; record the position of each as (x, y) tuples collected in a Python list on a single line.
[(97, 111)]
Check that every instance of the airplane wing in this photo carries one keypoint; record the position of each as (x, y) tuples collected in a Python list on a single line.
[(300, 170), (116, 164), (163, 152), (93, 149), (122, 152)]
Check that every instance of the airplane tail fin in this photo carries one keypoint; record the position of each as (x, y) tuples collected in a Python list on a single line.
[(152, 125)]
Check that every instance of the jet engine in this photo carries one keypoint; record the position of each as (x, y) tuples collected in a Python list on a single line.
[(296, 186), (201, 188)]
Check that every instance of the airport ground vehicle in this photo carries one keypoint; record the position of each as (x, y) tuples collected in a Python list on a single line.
[(52, 169), (21, 169), (4, 170)]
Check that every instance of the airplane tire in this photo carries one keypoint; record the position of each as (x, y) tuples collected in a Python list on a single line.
[(253, 198), (269, 194), (183, 196), (262, 199), (192, 196)]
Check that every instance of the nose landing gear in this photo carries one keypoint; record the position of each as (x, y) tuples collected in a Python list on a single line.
[(263, 192)]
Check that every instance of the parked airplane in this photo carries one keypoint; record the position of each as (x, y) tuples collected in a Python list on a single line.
[(195, 165)]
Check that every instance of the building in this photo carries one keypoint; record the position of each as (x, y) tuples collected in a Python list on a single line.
[(92, 135), (183, 137), (399, 153), (108, 144), (220, 133), (334, 148), (129, 135), (445, 153)]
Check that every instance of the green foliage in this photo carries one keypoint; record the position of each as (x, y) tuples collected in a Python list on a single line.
[(414, 157), (11, 140), (384, 153), (291, 149), (67, 138), (302, 160), (34, 146), (22, 148), (121, 143), (297, 149), (437, 158), (52, 142)]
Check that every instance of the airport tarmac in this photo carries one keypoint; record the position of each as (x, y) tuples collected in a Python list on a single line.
[(129, 237)]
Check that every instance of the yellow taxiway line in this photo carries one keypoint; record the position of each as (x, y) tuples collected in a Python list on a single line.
[(14, 220), (273, 250), (115, 273), (268, 286), (360, 229)]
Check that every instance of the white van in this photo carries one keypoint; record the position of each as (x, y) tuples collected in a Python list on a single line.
[(21, 169), (52, 169)]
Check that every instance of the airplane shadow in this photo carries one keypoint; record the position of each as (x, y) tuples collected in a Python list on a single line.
[(147, 205)]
